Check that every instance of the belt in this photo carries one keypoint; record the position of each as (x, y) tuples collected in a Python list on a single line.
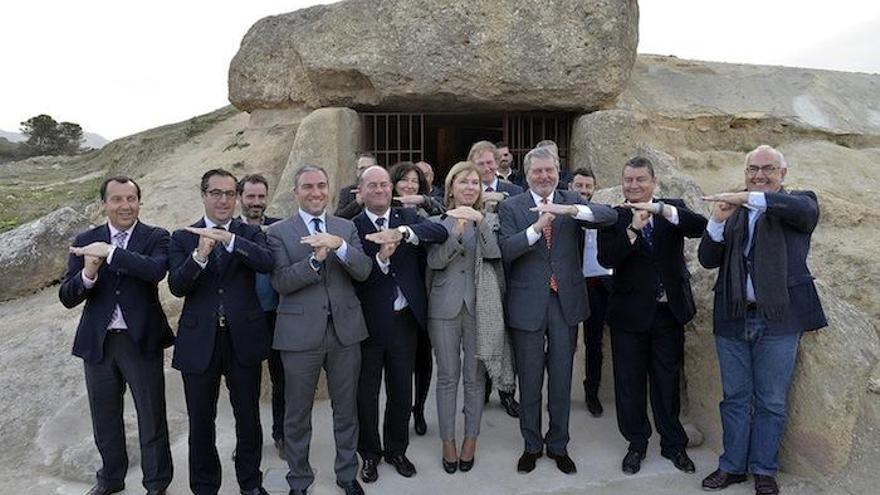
[(751, 306), (221, 322), (116, 330), (401, 311)]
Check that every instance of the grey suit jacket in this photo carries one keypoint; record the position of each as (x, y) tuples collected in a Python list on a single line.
[(452, 265), (529, 267), (307, 297)]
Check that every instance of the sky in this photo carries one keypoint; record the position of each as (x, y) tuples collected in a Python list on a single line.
[(119, 67)]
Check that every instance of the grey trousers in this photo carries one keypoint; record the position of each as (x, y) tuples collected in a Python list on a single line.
[(301, 371), (455, 343)]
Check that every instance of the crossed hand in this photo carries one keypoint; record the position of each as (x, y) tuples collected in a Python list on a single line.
[(322, 243), (726, 203), (388, 240), (93, 255)]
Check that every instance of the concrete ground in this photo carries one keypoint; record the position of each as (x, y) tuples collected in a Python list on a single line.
[(596, 447)]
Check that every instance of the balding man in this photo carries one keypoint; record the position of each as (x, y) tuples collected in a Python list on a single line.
[(428, 171), (349, 194), (765, 299)]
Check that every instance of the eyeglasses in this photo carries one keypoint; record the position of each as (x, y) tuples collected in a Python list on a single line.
[(219, 193), (765, 169)]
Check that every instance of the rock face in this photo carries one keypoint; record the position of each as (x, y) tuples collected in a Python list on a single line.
[(435, 55), (329, 138), (34, 255)]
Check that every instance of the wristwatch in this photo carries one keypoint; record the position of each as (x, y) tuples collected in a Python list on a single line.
[(316, 265), (404, 232)]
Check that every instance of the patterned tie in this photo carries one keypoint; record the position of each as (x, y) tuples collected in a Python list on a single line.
[(317, 223), (548, 239), (648, 236), (119, 243), (380, 223), (490, 189)]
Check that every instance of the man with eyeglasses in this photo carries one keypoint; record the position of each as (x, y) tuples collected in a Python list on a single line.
[(222, 331), (115, 269), (765, 299)]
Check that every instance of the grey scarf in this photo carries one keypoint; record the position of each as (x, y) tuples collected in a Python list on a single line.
[(769, 275)]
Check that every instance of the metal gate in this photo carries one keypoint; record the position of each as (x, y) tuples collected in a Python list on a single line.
[(394, 137), (523, 131)]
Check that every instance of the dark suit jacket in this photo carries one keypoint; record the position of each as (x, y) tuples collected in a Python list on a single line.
[(529, 266), (407, 270), (130, 281), (633, 301), (205, 289), (507, 187), (799, 213), (345, 196)]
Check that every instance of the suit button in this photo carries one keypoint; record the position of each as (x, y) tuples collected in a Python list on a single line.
[(118, 292), (219, 291), (462, 271)]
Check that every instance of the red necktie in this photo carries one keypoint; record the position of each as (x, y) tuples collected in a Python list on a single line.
[(548, 239)]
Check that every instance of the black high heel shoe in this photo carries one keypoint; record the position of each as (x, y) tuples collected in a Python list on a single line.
[(451, 467), (466, 466)]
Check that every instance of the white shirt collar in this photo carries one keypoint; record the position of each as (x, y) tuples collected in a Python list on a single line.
[(114, 230), (372, 216), (538, 198), (209, 224), (307, 218), (493, 185)]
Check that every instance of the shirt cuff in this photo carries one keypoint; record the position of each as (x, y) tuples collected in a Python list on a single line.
[(342, 251), (88, 283), (110, 254), (673, 215), (584, 213), (230, 246), (413, 238), (383, 265), (531, 235), (715, 229), (758, 201)]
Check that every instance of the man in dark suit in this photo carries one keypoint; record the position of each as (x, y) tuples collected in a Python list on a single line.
[(320, 325), (221, 332), (253, 193), (395, 307), (649, 306), (546, 298), (485, 156), (564, 174), (765, 299), (505, 166), (116, 268), (349, 194), (598, 280)]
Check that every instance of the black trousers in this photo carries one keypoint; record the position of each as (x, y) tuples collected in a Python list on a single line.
[(202, 391), (423, 370), (653, 357), (124, 364), (597, 295), (396, 358), (276, 374)]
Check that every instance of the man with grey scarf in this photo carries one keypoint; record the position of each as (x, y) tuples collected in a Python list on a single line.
[(765, 299)]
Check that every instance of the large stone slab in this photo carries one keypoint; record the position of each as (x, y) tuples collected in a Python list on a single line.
[(34, 255), (439, 55)]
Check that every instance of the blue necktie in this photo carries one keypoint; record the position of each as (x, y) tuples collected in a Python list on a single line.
[(648, 236), (380, 223), (317, 223)]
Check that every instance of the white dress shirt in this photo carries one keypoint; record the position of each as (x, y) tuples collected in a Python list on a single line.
[(757, 205)]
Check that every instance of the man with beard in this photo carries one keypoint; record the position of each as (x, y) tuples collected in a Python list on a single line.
[(253, 194), (648, 308), (505, 165), (546, 299)]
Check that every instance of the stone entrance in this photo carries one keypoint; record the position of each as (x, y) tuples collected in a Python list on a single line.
[(445, 138)]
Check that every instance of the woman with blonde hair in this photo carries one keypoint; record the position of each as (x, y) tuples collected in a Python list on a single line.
[(468, 338)]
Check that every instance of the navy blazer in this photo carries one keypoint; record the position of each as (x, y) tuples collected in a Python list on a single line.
[(507, 187), (798, 212), (407, 270), (205, 289), (131, 281), (633, 299)]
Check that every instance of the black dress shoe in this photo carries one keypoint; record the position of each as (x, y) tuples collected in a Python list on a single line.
[(351, 487), (680, 460), (279, 447), (526, 463), (402, 465), (563, 462), (450, 466), (632, 462), (369, 471), (720, 480), (511, 406), (419, 422), (254, 491), (296, 492), (156, 492), (466, 466), (594, 406), (100, 489), (765, 485)]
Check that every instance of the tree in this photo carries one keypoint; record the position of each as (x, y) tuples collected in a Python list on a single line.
[(48, 137)]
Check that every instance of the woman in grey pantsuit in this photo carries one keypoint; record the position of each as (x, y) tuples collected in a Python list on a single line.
[(452, 313)]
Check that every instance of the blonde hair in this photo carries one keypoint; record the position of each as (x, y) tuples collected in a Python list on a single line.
[(479, 147), (456, 170)]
